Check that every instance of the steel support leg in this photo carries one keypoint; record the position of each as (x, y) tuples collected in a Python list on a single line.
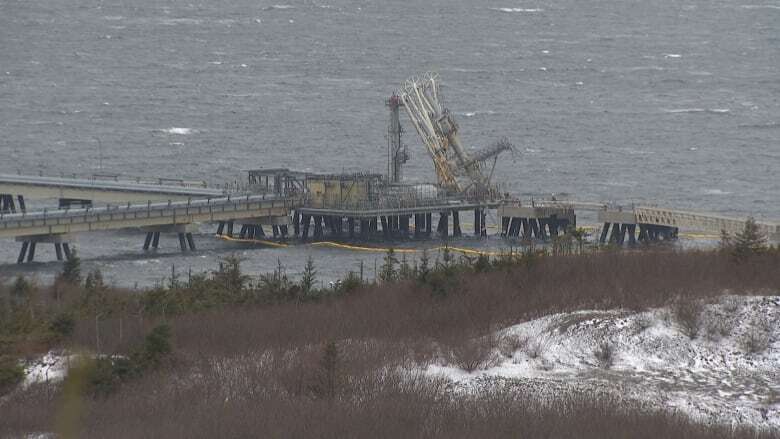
[(31, 252), (403, 226), (444, 224), (604, 231), (23, 252), (66, 250), (318, 227), (631, 229), (148, 240), (182, 242), (156, 240), (220, 227), (58, 250), (297, 224), (190, 241), (456, 224)]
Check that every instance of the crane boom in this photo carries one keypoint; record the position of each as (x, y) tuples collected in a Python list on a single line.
[(438, 130)]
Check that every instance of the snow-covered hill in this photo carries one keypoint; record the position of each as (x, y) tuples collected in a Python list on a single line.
[(647, 356)]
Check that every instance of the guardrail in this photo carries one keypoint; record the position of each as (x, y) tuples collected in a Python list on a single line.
[(179, 212), (108, 185), (701, 221)]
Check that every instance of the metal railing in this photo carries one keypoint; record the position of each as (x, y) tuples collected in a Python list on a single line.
[(171, 209)]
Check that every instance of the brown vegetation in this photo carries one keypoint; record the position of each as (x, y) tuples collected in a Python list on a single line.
[(339, 367)]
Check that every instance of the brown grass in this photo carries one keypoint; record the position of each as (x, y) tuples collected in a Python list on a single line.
[(258, 371)]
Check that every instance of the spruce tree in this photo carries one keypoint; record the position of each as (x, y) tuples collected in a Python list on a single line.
[(71, 270), (405, 270), (309, 276), (749, 241), (388, 272)]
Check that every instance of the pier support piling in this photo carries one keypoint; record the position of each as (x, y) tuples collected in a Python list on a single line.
[(23, 252), (456, 224), (31, 251)]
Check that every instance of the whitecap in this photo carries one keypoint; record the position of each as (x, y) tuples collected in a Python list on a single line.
[(672, 55), (273, 7), (181, 131), (685, 110), (216, 63), (470, 114), (716, 192), (719, 110), (177, 21), (516, 9), (760, 6)]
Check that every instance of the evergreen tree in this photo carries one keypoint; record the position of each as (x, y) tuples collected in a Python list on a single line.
[(95, 301), (388, 272), (424, 267), (446, 256), (71, 270), (726, 243), (405, 270), (231, 279), (749, 241), (309, 277), (21, 290)]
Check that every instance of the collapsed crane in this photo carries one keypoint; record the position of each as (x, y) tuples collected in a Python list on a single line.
[(457, 171)]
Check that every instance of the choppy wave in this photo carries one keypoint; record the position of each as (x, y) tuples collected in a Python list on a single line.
[(177, 21), (516, 9), (278, 7), (475, 113), (760, 6), (698, 110), (768, 125), (175, 130), (716, 192)]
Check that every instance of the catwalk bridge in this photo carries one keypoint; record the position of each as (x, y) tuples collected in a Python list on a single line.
[(58, 226), (98, 189), (287, 201)]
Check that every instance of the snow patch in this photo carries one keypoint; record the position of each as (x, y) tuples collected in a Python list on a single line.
[(711, 377)]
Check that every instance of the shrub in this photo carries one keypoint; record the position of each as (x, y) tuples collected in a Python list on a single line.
[(757, 338), (62, 325), (11, 373), (716, 327), (605, 354), (642, 322), (350, 283), (687, 314), (156, 347), (511, 343), (474, 354), (536, 347)]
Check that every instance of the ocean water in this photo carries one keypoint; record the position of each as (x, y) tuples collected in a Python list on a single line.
[(675, 103)]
